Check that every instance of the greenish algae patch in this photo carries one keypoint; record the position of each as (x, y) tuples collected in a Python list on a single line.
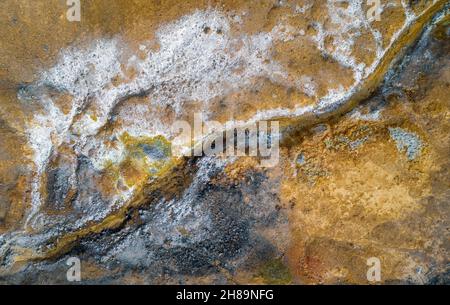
[(275, 272), (145, 158)]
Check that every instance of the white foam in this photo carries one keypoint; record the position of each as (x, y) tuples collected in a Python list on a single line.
[(371, 116), (198, 60)]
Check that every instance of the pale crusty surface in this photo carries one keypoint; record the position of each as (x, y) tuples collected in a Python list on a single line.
[(85, 164)]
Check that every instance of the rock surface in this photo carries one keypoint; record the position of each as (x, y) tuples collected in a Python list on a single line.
[(86, 168)]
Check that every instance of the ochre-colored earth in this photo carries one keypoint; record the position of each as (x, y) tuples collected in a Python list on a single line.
[(86, 163)]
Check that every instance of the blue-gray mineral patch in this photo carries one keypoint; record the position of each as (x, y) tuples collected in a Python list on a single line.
[(406, 141)]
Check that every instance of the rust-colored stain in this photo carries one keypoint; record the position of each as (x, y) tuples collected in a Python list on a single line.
[(87, 111)]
